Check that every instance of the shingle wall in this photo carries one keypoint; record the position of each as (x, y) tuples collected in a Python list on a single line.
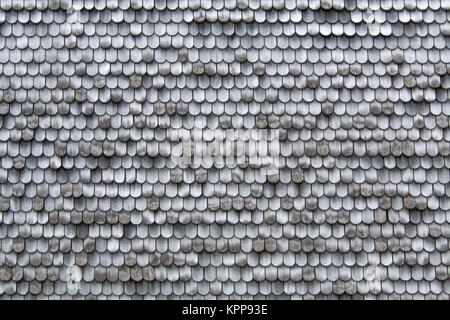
[(95, 204)]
